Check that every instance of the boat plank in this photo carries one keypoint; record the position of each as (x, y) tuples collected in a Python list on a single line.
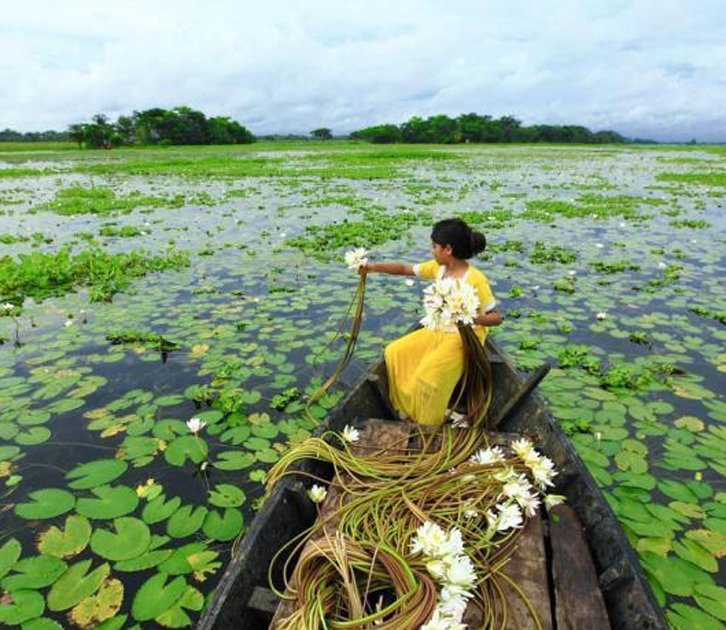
[(527, 567), (578, 600)]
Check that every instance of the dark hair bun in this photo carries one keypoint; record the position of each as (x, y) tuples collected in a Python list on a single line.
[(478, 243)]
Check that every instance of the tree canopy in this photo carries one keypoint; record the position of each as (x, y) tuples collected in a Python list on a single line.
[(441, 129), (180, 125)]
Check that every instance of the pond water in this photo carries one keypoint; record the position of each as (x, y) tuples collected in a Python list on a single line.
[(607, 262)]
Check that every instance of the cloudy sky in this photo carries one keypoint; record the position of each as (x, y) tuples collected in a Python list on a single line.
[(643, 68)]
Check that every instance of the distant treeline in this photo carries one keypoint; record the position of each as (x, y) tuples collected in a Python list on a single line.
[(180, 125), (9, 135), (441, 129)]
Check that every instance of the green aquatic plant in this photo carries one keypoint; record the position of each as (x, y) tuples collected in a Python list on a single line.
[(154, 340), (544, 253), (614, 266), (102, 200)]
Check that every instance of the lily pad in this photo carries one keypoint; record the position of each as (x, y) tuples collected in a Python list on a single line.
[(712, 599), (47, 503), (66, 543), (23, 606), (131, 539), (156, 596), (175, 617), (190, 447), (145, 561), (226, 495), (692, 552), (96, 473), (182, 560), (224, 527), (33, 573), (715, 542), (33, 436), (159, 509), (185, 521), (234, 460), (110, 502), (92, 610), (75, 584), (9, 554)]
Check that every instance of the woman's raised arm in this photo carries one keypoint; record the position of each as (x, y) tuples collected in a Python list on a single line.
[(395, 269)]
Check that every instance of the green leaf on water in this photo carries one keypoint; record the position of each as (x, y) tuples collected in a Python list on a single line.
[(94, 609), (683, 617), (691, 423), (265, 430), (33, 573), (131, 539), (47, 503), (170, 400), (159, 509), (9, 554), (25, 605), (694, 553), (257, 444), (66, 543), (33, 436), (677, 490), (185, 521), (226, 495), (75, 584), (190, 447), (156, 596), (267, 455), (41, 623), (629, 460), (715, 542), (225, 527), (180, 561), (175, 617), (145, 561), (95, 473), (110, 502), (234, 460), (687, 509), (236, 435), (670, 579), (712, 599)]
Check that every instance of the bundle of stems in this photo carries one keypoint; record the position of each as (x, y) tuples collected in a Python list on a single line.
[(476, 382)]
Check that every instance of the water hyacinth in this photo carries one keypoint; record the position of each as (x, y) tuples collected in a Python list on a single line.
[(448, 301), (355, 258)]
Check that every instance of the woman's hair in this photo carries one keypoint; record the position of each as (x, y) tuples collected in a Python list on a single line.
[(464, 241)]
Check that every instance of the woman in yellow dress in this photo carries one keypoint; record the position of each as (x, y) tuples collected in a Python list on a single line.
[(425, 365)]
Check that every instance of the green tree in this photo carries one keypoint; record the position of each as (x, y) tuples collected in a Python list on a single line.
[(323, 133)]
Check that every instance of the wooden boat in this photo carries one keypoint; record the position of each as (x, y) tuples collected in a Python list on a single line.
[(599, 585)]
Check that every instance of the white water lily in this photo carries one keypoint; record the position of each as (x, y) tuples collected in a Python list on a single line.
[(355, 258), (551, 500), (522, 447), (509, 517), (317, 493), (8, 306), (460, 572), (351, 434), (601, 315), (490, 455), (437, 568), (441, 621), (470, 513), (530, 504), (68, 323), (505, 475), (543, 472), (195, 425), (409, 282), (454, 607), (434, 542), (517, 489)]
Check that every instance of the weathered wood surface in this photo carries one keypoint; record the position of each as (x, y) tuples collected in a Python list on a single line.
[(376, 436), (578, 600), (528, 569)]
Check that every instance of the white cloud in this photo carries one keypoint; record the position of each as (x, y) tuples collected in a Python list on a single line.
[(292, 66)]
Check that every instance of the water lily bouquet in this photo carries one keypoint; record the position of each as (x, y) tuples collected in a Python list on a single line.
[(448, 301)]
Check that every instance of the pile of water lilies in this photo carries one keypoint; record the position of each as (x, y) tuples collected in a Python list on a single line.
[(422, 537)]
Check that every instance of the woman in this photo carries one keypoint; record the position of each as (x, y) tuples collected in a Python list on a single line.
[(425, 365)]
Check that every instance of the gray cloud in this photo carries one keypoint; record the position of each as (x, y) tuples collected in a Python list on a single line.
[(641, 69)]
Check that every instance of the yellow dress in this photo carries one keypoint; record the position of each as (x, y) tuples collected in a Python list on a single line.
[(425, 365)]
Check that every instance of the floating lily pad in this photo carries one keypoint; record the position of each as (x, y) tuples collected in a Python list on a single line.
[(182, 559), (190, 447), (226, 495), (224, 527), (175, 617), (185, 521), (47, 503), (692, 552), (9, 554), (131, 539), (33, 573), (147, 560), (96, 473), (159, 509), (41, 623), (23, 606), (156, 596), (110, 502), (92, 610), (234, 460), (715, 542), (66, 543), (75, 584), (712, 599)]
